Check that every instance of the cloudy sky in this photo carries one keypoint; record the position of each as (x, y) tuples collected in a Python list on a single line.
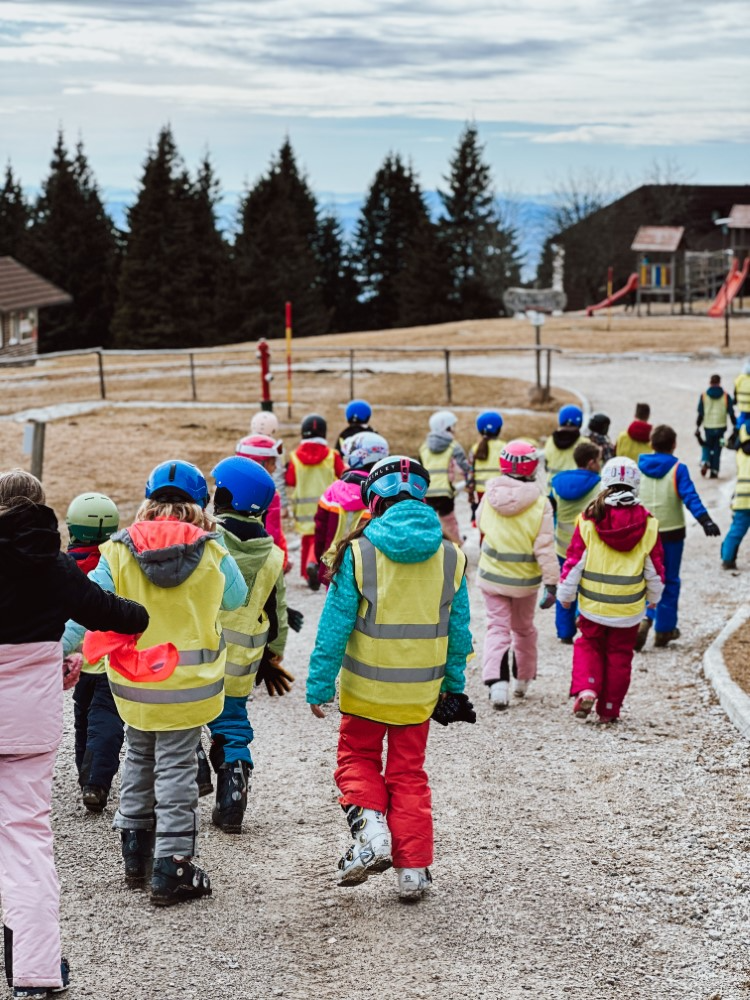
[(554, 86)]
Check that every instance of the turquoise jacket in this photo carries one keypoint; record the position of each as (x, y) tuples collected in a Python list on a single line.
[(408, 532)]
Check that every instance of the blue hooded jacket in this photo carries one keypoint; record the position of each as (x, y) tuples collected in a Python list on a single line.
[(659, 464), (574, 483), (408, 532)]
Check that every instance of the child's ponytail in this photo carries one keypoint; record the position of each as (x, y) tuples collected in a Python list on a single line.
[(482, 450), (618, 494), (338, 556)]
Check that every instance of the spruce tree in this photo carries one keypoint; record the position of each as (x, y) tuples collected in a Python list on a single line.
[(338, 280), (14, 217)]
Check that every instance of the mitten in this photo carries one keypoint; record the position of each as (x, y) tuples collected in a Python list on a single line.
[(548, 597), (711, 528), (71, 670), (701, 440), (277, 680), (295, 619), (454, 708)]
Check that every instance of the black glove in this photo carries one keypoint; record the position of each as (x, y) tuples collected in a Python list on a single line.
[(710, 527), (701, 441), (454, 708), (277, 680), (474, 509), (295, 619)]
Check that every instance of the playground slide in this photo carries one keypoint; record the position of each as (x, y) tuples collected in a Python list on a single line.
[(730, 288), (630, 286)]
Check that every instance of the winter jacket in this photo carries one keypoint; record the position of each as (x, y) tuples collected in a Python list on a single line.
[(408, 532), (635, 441), (621, 529), (272, 522), (312, 451), (440, 442), (604, 444), (510, 497), (342, 498), (349, 431), (571, 492), (715, 392), (42, 587), (658, 465)]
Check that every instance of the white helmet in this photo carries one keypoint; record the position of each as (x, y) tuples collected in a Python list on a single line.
[(264, 423), (442, 421), (621, 471), (365, 448)]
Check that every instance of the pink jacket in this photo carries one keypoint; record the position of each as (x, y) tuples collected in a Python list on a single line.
[(31, 701), (274, 529), (509, 497), (343, 495)]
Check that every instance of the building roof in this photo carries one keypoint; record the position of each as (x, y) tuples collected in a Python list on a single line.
[(659, 239), (739, 217), (21, 288)]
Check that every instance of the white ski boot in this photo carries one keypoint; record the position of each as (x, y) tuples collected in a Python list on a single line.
[(499, 695), (370, 853), (521, 689), (413, 883)]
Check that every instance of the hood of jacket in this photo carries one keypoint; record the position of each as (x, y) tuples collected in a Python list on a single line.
[(640, 431), (715, 391), (86, 556), (312, 452), (346, 492), (623, 527), (657, 465), (565, 437), (439, 441), (246, 535), (408, 532), (167, 551), (575, 483), (242, 527), (28, 534), (510, 496)]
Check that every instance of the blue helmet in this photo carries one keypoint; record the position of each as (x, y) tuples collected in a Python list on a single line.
[(490, 423), (393, 476), (358, 411), (251, 487), (181, 480), (570, 416)]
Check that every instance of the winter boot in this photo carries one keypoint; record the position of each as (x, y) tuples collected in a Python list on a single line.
[(95, 798), (205, 784), (413, 883), (232, 786), (729, 564), (370, 852), (313, 576), (138, 855), (177, 879), (662, 639), (643, 630), (521, 688), (499, 695), (584, 703)]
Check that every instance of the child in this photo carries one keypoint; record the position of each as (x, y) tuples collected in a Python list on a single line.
[(742, 394), (666, 489), (571, 492), (560, 445), (40, 588), (397, 615), (518, 553), (312, 469), (358, 413), (598, 433), (740, 504), (255, 633), (714, 409), (91, 519), (341, 507), (636, 440), (485, 454), (615, 564), (177, 568), (441, 455), (264, 450), (266, 424)]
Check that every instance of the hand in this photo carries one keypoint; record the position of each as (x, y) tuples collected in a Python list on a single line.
[(711, 528), (317, 711), (71, 666), (566, 604), (548, 597), (651, 606)]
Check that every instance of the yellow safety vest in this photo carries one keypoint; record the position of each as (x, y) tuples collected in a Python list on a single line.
[(742, 393), (395, 657), (186, 615), (741, 497), (715, 412), (311, 481), (613, 584), (565, 520), (246, 629), (628, 447), (507, 555), (438, 464), (487, 468), (560, 459), (348, 520), (660, 498)]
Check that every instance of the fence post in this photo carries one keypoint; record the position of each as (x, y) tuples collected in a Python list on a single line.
[(102, 387), (351, 373), (548, 378), (448, 389), (33, 444), (192, 377)]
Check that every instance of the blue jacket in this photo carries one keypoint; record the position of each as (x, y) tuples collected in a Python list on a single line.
[(659, 464), (574, 483), (408, 532)]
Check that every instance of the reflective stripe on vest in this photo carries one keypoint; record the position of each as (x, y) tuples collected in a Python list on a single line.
[(661, 499), (438, 465), (507, 553), (395, 657), (487, 468), (154, 696), (311, 482), (613, 584), (741, 497), (742, 393), (566, 516), (715, 412)]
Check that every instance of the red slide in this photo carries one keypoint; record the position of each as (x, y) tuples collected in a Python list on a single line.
[(730, 288), (630, 286)]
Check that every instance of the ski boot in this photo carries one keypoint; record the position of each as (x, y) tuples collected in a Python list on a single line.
[(413, 883), (94, 798), (176, 880), (138, 855), (232, 786), (371, 851)]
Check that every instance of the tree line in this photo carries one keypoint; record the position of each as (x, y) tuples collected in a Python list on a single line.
[(174, 279)]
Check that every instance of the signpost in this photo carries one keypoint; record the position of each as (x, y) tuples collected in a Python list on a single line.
[(289, 360)]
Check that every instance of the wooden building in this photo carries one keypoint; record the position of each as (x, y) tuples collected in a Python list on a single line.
[(659, 250), (22, 294)]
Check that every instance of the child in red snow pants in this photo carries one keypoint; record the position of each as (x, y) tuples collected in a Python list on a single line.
[(602, 661), (402, 793)]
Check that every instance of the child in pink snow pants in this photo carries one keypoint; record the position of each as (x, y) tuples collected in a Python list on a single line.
[(615, 563), (517, 555), (40, 588)]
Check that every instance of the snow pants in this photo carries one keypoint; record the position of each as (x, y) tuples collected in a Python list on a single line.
[(233, 731), (711, 450), (565, 618), (602, 662), (99, 731), (307, 553), (737, 530), (402, 793), (664, 616), (159, 789), (510, 624)]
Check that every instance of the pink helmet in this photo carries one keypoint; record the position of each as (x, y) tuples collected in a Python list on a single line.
[(519, 459), (258, 447), (264, 423)]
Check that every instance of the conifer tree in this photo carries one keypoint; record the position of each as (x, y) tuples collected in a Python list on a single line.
[(14, 217), (338, 280)]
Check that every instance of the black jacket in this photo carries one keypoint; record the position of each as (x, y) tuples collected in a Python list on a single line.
[(42, 587)]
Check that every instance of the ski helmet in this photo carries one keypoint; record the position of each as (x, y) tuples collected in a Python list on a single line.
[(442, 421), (264, 423), (358, 411), (250, 486), (365, 448), (314, 426), (570, 416), (92, 517), (489, 423), (392, 477), (599, 423), (257, 447), (177, 480), (519, 459), (622, 471)]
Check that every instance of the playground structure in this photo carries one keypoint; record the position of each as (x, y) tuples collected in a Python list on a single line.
[(730, 289), (660, 258), (628, 288)]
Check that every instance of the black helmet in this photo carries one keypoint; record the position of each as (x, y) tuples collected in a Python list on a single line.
[(314, 426), (599, 423)]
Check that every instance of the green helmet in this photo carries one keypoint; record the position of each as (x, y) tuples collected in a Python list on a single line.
[(92, 517)]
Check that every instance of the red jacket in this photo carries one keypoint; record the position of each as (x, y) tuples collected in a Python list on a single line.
[(313, 453)]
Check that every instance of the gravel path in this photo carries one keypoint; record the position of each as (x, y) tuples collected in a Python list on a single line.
[(572, 860)]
